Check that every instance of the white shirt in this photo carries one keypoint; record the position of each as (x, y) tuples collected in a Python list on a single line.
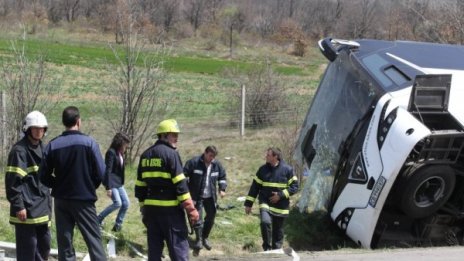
[(207, 190)]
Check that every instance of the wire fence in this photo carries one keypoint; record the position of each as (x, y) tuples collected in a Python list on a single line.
[(201, 126)]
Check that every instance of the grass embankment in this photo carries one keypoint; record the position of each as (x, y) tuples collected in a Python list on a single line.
[(94, 55), (197, 95)]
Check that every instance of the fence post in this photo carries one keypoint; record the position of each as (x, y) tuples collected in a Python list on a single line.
[(242, 118)]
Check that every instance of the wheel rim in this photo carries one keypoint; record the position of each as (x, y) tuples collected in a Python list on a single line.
[(429, 192)]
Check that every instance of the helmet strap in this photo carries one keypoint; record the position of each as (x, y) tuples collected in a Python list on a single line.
[(31, 138)]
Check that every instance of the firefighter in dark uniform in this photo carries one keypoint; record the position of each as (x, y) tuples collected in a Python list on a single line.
[(203, 173), (30, 201), (273, 185), (163, 195)]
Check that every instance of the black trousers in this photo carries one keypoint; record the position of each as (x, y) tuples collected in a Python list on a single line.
[(272, 230), (68, 214), (32, 242), (210, 208), (171, 228)]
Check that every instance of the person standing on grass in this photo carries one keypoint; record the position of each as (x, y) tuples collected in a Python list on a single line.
[(30, 201), (163, 195), (203, 173), (273, 184), (114, 180), (73, 168)]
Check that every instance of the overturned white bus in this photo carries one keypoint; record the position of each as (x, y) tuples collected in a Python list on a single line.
[(386, 125)]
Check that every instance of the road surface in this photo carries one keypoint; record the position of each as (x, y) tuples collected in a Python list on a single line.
[(404, 254)]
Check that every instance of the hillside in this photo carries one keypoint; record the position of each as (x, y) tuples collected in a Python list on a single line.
[(197, 99)]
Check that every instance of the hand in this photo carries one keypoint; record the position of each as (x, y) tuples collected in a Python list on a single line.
[(193, 217), (22, 215), (192, 212), (247, 210), (222, 193), (109, 193), (274, 198)]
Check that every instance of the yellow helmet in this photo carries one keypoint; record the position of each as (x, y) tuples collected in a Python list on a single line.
[(168, 126)]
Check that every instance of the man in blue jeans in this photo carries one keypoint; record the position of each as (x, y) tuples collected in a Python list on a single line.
[(73, 168)]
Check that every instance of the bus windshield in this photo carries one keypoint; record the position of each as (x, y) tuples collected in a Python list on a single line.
[(342, 99)]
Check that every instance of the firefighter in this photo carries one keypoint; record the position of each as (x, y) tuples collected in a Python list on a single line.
[(273, 184), (163, 194), (30, 201), (203, 173)]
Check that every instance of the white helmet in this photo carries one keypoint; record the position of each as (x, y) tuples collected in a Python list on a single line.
[(35, 119)]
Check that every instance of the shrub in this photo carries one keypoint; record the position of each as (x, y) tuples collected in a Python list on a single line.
[(314, 231), (183, 30), (265, 99)]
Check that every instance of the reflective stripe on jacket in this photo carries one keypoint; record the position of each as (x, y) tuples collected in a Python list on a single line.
[(161, 182), (22, 185), (195, 170), (271, 179)]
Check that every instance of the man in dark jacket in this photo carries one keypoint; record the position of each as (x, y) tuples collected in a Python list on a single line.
[(73, 168), (273, 185), (163, 195), (30, 201), (204, 172)]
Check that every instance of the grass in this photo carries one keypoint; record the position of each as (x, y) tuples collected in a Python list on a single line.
[(96, 55), (196, 94)]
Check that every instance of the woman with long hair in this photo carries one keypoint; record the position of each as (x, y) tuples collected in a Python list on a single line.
[(114, 180)]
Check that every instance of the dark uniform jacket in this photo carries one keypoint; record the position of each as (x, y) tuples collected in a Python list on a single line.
[(23, 188), (72, 166), (114, 172), (195, 169), (161, 184), (270, 179)]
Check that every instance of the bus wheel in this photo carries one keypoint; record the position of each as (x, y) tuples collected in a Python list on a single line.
[(426, 189)]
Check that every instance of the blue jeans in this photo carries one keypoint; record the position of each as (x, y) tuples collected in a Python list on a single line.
[(121, 201)]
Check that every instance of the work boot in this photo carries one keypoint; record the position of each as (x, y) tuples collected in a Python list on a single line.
[(116, 228), (198, 232), (100, 222), (206, 244)]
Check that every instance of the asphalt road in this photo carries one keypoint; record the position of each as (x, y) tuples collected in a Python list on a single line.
[(404, 254), (454, 253)]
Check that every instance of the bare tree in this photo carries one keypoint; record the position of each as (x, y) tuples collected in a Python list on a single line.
[(265, 97), (288, 138), (233, 19), (456, 19), (416, 13), (71, 7), (212, 8), (319, 18), (195, 12), (135, 86), (363, 22), (447, 24), (122, 19), (263, 25), (394, 21), (163, 13), (27, 88)]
